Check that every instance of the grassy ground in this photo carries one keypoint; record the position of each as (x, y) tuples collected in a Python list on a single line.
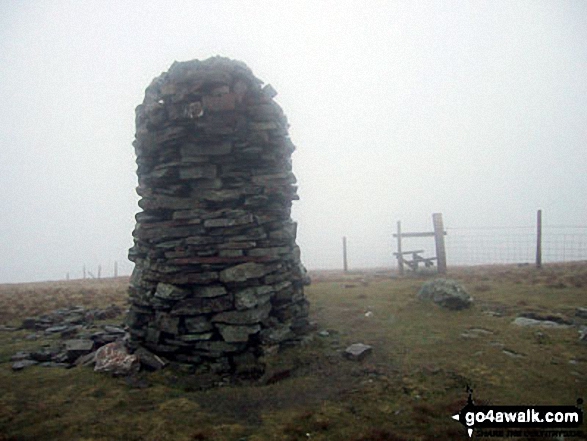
[(423, 358)]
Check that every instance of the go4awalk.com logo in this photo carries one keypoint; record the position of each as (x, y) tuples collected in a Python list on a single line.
[(484, 420)]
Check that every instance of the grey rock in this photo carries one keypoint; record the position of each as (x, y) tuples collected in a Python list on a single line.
[(202, 171), (476, 333), (581, 312), (22, 364), (251, 297), (170, 292), (525, 321), (167, 323), (149, 360), (200, 336), (114, 359), (113, 330), (43, 355), (237, 333), (277, 334), (198, 324), (197, 306), (512, 354), (357, 351), (243, 272), (53, 364), (78, 347), (210, 291), (188, 151), (246, 317), (29, 323), (22, 355), (56, 329), (446, 293), (86, 360)]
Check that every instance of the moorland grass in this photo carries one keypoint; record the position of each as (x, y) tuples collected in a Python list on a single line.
[(416, 377)]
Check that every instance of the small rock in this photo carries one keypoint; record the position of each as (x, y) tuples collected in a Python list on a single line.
[(29, 323), (86, 360), (583, 334), (149, 360), (54, 364), (511, 353), (56, 329), (525, 321), (324, 333), (357, 351), (113, 330), (475, 333), (42, 356), (20, 365), (581, 312), (19, 356), (78, 347), (113, 358), (557, 318)]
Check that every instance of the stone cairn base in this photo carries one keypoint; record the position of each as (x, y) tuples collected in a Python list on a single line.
[(218, 281)]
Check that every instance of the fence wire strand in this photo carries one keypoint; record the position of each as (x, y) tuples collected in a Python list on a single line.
[(489, 245)]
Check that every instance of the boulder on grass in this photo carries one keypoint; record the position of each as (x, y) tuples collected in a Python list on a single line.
[(357, 351), (113, 358), (446, 293)]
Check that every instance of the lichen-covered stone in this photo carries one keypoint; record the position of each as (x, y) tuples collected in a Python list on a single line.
[(446, 293)]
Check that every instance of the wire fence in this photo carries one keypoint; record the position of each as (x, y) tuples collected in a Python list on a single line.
[(491, 245)]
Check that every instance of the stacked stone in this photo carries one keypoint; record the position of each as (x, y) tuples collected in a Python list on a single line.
[(218, 278)]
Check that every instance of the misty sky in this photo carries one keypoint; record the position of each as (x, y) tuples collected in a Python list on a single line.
[(400, 109)]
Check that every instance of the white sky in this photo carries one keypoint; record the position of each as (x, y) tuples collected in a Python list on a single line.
[(474, 109)]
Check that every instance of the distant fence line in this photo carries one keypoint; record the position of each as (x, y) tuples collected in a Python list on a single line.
[(86, 273), (492, 245), (485, 245)]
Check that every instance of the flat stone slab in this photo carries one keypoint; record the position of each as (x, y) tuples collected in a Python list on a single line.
[(20, 365), (476, 333), (357, 351), (79, 345), (525, 321)]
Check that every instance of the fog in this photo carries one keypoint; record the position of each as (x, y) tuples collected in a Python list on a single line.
[(474, 109)]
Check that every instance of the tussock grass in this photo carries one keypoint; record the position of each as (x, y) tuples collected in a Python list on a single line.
[(423, 358), (18, 301)]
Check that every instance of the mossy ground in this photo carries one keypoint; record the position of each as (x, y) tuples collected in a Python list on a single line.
[(408, 388)]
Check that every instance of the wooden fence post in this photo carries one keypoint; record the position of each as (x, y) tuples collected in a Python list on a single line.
[(439, 241), (344, 256), (400, 257), (84, 270), (115, 268), (539, 239)]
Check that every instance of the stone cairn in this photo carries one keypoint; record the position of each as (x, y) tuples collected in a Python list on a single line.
[(218, 281)]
